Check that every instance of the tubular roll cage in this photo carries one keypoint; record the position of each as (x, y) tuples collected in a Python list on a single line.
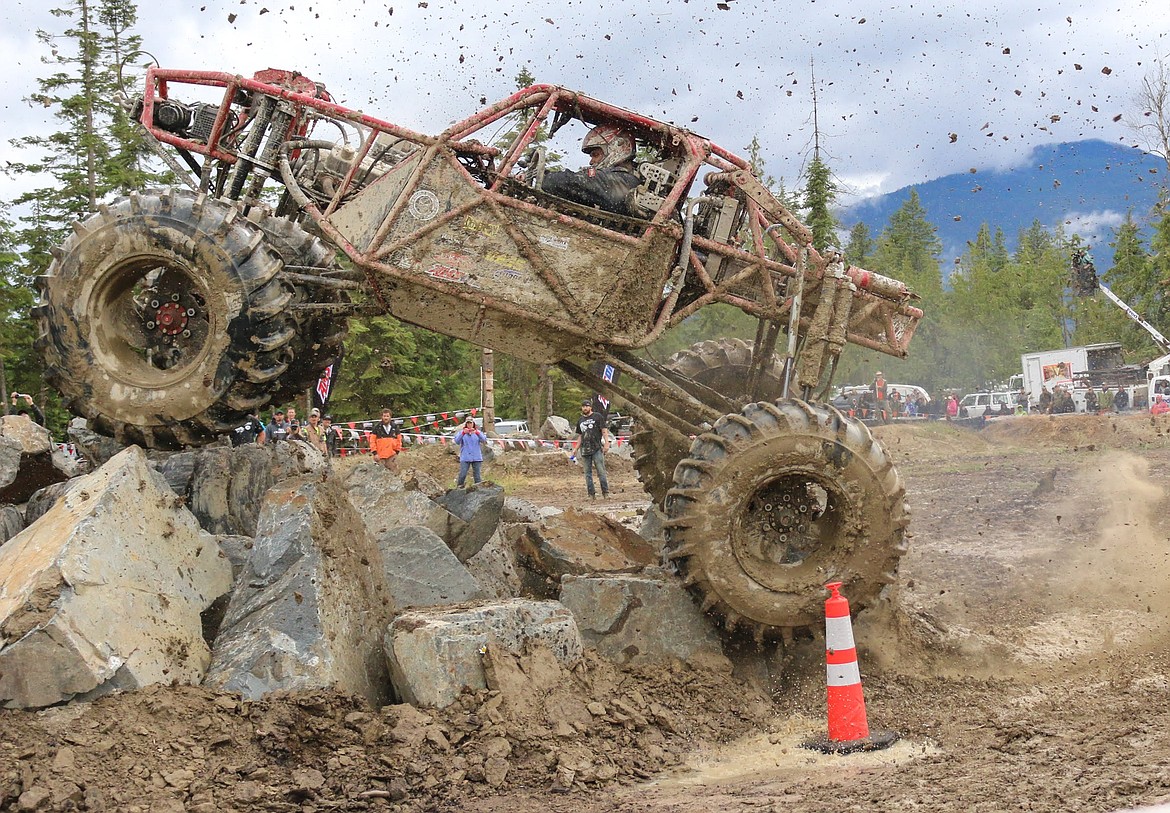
[(775, 274)]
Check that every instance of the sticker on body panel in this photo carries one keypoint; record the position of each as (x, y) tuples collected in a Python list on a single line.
[(424, 205), (556, 242)]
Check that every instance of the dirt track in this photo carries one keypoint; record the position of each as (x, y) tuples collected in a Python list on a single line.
[(1023, 660)]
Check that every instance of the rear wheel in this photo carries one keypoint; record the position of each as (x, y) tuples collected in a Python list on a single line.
[(162, 320), (776, 501), (724, 365)]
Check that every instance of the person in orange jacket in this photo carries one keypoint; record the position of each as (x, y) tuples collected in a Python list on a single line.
[(386, 441)]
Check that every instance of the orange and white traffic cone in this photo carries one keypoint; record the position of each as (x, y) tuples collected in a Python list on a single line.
[(848, 727)]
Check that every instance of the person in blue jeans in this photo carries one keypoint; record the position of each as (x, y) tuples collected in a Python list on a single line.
[(470, 453), (594, 443)]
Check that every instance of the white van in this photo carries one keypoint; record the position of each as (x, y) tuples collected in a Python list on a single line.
[(990, 404)]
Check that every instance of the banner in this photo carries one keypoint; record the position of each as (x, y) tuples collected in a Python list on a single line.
[(608, 373), (326, 383)]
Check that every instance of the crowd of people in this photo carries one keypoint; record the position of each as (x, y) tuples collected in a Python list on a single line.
[(317, 430)]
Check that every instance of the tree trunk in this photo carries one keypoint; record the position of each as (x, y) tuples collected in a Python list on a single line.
[(489, 392)]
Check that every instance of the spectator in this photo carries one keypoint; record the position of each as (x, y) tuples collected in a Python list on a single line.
[(29, 409), (1159, 407), (277, 428), (250, 431), (294, 430), (878, 388), (314, 432), (952, 407), (386, 441), (594, 443), (1120, 400), (332, 436), (470, 452), (292, 415)]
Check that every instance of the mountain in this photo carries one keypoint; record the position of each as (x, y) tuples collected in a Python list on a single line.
[(1088, 186)]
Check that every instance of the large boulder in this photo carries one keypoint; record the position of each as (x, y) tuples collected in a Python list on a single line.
[(579, 542), (11, 522), (480, 509), (95, 448), (436, 654), (45, 498), (104, 592), (384, 504), (495, 567), (26, 459), (635, 619), (310, 605), (228, 485), (556, 428), (421, 571)]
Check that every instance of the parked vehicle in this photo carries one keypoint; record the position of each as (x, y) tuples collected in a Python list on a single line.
[(988, 404)]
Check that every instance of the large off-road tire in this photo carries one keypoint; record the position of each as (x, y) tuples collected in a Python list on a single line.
[(162, 319), (776, 501), (319, 336), (724, 365)]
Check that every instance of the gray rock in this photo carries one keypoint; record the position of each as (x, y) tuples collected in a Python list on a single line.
[(421, 571), (652, 528), (32, 437), (11, 522), (637, 619), (26, 459), (104, 592), (556, 428), (580, 542), (228, 485), (44, 499), (238, 549), (495, 568), (95, 448), (433, 655), (480, 508), (309, 608), (378, 496), (177, 469)]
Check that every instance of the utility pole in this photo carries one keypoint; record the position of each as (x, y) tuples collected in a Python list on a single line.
[(489, 393)]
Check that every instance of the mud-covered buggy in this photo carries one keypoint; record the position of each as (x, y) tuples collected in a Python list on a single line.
[(170, 314)]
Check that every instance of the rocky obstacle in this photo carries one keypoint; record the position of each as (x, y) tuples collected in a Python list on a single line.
[(105, 591)]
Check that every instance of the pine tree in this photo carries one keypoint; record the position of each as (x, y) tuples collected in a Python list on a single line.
[(820, 193), (859, 250)]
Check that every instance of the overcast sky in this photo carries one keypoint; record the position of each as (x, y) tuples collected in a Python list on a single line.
[(907, 92)]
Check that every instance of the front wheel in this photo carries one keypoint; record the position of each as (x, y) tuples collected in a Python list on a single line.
[(774, 502), (162, 319)]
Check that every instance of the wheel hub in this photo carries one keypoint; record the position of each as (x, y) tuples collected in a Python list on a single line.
[(169, 318), (782, 525)]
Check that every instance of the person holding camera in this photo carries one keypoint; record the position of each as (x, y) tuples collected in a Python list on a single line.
[(29, 408), (470, 453)]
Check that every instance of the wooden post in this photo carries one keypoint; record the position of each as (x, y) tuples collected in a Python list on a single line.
[(489, 392)]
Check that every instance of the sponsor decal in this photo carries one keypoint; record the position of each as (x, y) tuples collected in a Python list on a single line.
[(424, 205), (448, 273), (481, 226), (505, 260), (555, 242)]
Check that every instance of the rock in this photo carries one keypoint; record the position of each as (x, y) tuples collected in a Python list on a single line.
[(494, 567), (480, 508), (638, 619), (45, 498), (95, 448), (421, 571), (383, 504), (579, 542), (178, 469), (433, 655), (32, 437), (228, 485), (652, 528), (308, 610), (104, 592), (556, 428), (11, 522), (26, 459)]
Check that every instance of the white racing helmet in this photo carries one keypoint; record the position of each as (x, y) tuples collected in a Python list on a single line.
[(616, 145)]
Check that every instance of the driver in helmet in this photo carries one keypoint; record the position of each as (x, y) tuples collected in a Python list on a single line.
[(610, 176)]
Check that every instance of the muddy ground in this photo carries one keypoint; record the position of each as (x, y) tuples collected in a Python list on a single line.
[(1023, 660)]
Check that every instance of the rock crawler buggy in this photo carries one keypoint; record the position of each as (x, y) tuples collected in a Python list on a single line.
[(171, 313)]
